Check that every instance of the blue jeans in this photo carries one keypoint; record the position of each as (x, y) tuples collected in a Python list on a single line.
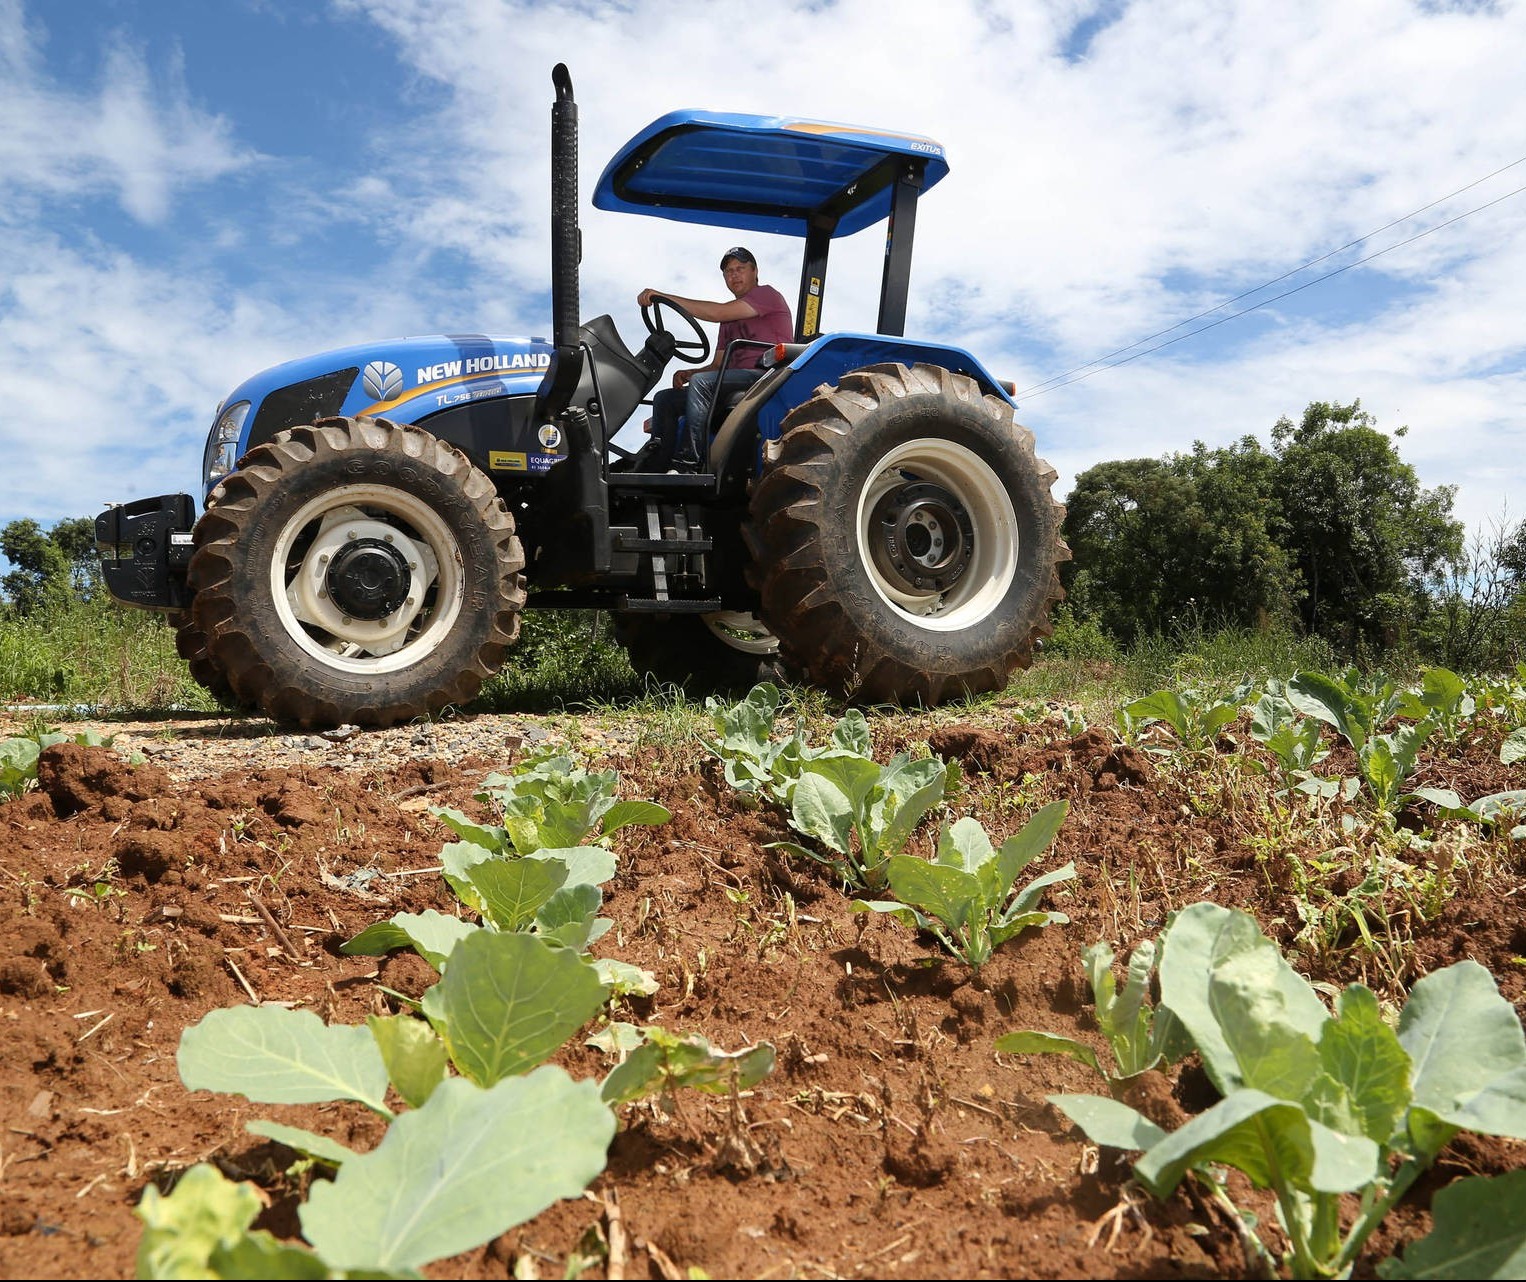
[(680, 437)]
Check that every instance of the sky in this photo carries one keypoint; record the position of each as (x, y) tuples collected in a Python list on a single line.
[(194, 190)]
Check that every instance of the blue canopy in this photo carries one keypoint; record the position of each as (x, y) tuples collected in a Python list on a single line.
[(763, 173)]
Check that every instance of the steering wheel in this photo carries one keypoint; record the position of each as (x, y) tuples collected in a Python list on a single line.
[(694, 350)]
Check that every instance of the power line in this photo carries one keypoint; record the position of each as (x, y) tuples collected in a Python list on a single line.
[(1063, 379)]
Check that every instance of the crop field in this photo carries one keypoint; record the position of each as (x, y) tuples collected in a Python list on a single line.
[(1226, 985)]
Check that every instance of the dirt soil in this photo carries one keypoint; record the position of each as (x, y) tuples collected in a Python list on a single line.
[(230, 863)]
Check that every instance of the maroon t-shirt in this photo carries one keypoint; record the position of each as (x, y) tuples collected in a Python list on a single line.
[(772, 324)]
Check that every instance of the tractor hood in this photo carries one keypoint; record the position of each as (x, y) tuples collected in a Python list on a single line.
[(763, 173), (400, 378)]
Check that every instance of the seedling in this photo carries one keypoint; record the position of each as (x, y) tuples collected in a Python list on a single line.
[(967, 896), (1316, 1107), (1139, 1035), (473, 1156), (862, 812)]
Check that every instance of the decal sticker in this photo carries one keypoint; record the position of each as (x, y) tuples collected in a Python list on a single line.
[(482, 365), (550, 435), (507, 461), (383, 380)]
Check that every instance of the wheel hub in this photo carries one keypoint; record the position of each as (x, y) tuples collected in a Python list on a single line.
[(368, 579), (921, 537)]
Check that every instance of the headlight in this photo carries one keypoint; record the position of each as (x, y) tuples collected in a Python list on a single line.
[(222, 443)]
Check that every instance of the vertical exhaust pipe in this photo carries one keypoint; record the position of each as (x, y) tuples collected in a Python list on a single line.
[(561, 380), (566, 236)]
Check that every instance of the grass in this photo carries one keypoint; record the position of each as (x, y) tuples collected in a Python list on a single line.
[(95, 654), (118, 660)]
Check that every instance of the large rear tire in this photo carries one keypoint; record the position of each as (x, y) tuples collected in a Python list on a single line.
[(702, 653), (904, 542), (356, 571)]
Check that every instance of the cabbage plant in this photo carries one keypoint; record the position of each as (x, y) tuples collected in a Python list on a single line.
[(1319, 1106)]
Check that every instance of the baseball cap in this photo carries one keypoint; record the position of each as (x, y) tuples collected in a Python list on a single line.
[(737, 252)]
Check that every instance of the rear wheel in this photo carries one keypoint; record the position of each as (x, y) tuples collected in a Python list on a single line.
[(723, 651), (904, 542), (356, 571)]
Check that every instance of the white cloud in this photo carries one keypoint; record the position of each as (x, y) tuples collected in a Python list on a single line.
[(130, 138), (1116, 168)]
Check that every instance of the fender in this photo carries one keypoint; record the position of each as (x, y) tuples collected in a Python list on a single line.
[(826, 361)]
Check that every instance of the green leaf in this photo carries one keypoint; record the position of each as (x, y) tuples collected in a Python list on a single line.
[(823, 810), (201, 1230), (1479, 1231), (1272, 1052), (1108, 1122), (431, 934), (1163, 705), (571, 917), (851, 734), (1021, 849), (508, 1002), (512, 891), (1022, 903), (1513, 749), (908, 917), (1498, 1109), (469, 1165), (622, 979), (414, 1055), (964, 844), (489, 837), (948, 894), (276, 1056), (586, 865), (1316, 695), (1200, 938), (310, 1144), (1032, 1042), (457, 859), (1273, 1142), (1361, 1054), (625, 813), (1462, 1036), (667, 1060)]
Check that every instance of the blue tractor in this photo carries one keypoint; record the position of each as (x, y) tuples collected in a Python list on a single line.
[(872, 520)]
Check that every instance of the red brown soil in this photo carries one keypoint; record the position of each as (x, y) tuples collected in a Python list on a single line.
[(891, 1141)]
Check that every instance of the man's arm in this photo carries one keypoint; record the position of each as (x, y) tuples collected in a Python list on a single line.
[(734, 309)]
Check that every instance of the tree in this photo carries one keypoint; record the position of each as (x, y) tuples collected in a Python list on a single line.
[(1330, 530), (49, 567), (1362, 534), (1156, 540)]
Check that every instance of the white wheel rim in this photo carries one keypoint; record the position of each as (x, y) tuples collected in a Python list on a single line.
[(979, 590), (743, 632), (298, 571)]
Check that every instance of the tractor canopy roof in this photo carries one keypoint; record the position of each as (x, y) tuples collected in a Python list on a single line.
[(764, 173)]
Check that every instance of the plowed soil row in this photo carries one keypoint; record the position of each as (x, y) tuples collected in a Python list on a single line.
[(891, 1141)]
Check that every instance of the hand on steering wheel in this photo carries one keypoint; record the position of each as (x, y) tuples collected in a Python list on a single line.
[(694, 350)]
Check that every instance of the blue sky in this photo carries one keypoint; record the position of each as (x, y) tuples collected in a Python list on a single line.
[(195, 189)]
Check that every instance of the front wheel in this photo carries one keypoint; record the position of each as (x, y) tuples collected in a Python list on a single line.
[(356, 571), (904, 542)]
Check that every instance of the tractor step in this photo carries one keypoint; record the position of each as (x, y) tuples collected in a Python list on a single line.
[(628, 543), (662, 482), (639, 605)]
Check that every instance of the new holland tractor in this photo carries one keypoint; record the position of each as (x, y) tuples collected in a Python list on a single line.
[(871, 521)]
